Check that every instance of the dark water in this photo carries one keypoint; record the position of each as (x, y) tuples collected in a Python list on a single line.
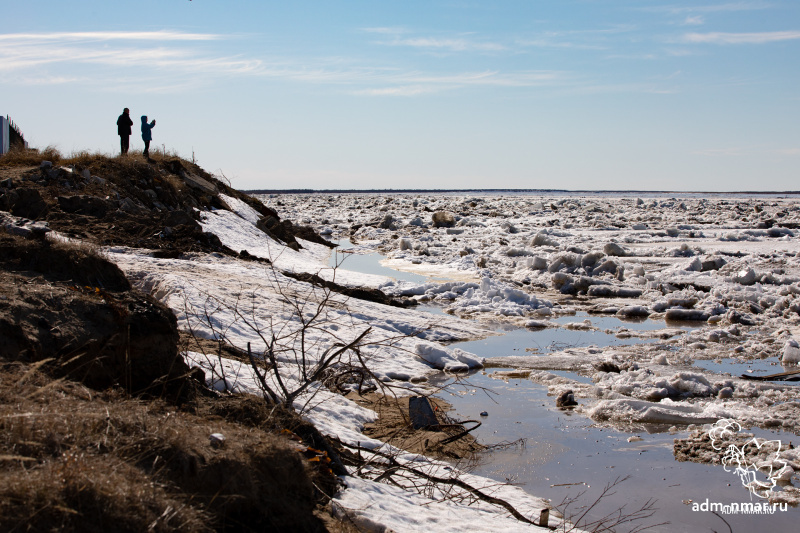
[(755, 367), (520, 341), (565, 454)]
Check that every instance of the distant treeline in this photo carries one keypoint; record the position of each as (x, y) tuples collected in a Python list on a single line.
[(504, 191)]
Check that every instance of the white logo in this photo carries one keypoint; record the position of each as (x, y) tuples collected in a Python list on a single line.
[(747, 461)]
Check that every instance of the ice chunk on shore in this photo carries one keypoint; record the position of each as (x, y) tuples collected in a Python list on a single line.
[(644, 412), (791, 353), (455, 360)]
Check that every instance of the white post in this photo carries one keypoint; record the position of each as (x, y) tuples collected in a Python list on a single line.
[(3, 135)]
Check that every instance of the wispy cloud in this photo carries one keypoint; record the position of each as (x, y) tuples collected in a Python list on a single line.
[(708, 8), (494, 78), (590, 39), (169, 61), (679, 52), (153, 50), (741, 38), (453, 45), (574, 39), (634, 56), (17, 58), (609, 88), (386, 30), (694, 20), (412, 90), (49, 80), (417, 83), (151, 36), (551, 42), (164, 68), (403, 37)]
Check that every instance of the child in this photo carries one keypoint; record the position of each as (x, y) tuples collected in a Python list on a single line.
[(147, 136)]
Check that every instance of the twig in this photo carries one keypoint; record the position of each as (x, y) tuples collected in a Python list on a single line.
[(396, 466)]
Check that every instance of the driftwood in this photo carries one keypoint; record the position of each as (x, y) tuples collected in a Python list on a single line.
[(791, 375)]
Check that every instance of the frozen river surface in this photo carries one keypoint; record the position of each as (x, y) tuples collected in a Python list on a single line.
[(648, 309), (561, 454)]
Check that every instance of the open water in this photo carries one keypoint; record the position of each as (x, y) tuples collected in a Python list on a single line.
[(560, 454)]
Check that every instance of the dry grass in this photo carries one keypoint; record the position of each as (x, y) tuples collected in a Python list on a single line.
[(123, 171), (72, 459), (394, 427), (26, 157), (58, 472), (29, 157)]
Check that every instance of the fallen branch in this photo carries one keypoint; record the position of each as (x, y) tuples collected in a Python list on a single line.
[(396, 466)]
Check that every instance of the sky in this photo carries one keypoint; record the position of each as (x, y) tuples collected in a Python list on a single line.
[(432, 94)]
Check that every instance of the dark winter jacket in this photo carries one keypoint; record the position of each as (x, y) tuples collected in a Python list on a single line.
[(124, 124), (146, 134)]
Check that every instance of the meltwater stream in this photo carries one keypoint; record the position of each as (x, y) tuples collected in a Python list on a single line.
[(562, 454)]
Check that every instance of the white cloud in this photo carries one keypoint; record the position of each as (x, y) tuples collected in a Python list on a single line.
[(444, 44), (411, 90), (455, 45), (414, 84), (646, 57), (169, 66), (710, 8), (48, 80), (386, 30), (694, 20), (741, 38), (159, 49), (549, 42), (516, 79), (679, 52), (641, 88), (109, 36), (13, 57), (594, 39), (175, 63)]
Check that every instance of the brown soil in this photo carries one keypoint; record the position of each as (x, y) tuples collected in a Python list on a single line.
[(100, 337), (128, 201), (394, 427)]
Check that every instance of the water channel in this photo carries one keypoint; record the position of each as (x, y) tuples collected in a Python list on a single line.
[(565, 453)]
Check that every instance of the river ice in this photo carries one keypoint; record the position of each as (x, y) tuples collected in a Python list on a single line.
[(728, 266)]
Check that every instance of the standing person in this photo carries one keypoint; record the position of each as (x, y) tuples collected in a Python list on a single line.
[(124, 124), (147, 136)]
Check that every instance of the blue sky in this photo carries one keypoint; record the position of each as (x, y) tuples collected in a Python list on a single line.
[(569, 94)]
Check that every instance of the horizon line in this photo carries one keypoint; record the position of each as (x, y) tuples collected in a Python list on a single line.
[(594, 191)]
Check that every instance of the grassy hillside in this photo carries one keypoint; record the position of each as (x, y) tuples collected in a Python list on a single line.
[(103, 427)]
